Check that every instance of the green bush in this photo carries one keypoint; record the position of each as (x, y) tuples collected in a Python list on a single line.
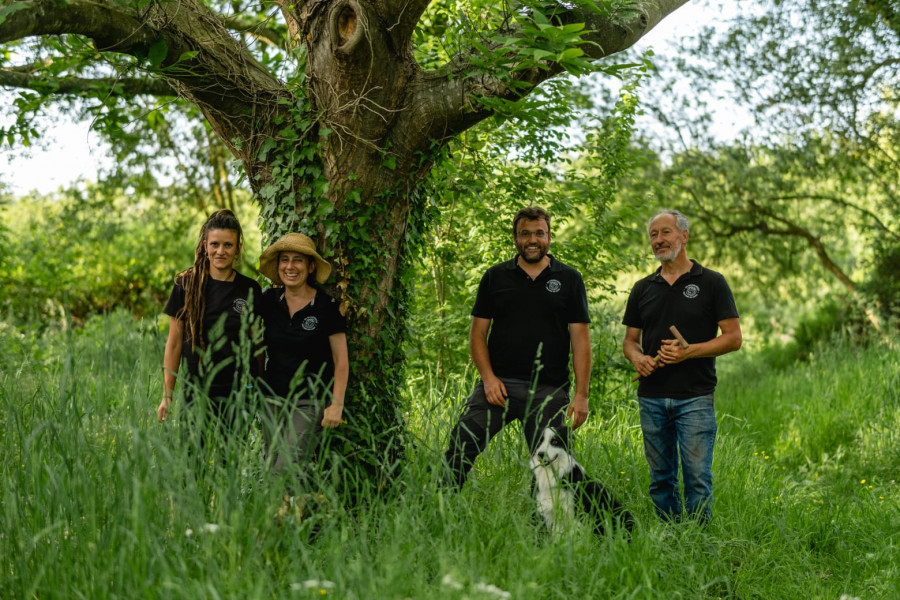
[(883, 285), (85, 252)]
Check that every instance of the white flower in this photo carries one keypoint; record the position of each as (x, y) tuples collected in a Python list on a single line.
[(493, 590), (313, 584), (188, 532), (449, 582), (210, 527)]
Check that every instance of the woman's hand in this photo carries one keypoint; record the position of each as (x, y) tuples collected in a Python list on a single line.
[(162, 410), (332, 416)]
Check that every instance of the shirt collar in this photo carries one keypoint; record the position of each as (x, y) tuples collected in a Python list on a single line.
[(696, 270), (513, 263), (311, 302)]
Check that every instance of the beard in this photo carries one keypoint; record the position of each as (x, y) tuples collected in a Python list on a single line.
[(537, 254), (670, 254), (534, 259)]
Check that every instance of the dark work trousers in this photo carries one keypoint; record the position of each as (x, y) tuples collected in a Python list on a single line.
[(536, 406)]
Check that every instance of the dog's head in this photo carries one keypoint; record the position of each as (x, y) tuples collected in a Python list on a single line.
[(553, 451)]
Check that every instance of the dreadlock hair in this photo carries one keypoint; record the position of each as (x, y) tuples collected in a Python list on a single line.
[(194, 279)]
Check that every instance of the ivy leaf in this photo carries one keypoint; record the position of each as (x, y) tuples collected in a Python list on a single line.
[(264, 150)]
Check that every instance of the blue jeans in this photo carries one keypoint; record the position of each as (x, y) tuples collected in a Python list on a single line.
[(676, 428)]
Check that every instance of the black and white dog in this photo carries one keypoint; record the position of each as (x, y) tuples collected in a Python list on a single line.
[(563, 490)]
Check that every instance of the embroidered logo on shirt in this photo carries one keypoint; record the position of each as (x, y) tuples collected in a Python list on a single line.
[(691, 290), (310, 324), (239, 305), (553, 286)]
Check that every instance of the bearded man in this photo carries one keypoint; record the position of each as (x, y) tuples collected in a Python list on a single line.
[(528, 313), (675, 394)]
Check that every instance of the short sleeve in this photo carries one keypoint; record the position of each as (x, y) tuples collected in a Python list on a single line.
[(579, 312), (176, 301), (482, 308), (336, 321)]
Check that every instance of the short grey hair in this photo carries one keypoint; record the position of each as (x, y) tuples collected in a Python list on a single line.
[(681, 221)]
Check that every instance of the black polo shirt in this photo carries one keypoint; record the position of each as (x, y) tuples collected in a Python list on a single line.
[(694, 304), (300, 362), (226, 302), (531, 315)]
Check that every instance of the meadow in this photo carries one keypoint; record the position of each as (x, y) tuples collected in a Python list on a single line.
[(99, 500)]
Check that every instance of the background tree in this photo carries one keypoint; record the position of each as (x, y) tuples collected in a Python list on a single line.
[(336, 109), (808, 189)]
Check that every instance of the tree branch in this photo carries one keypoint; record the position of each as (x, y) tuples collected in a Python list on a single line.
[(125, 87), (112, 28), (453, 90), (792, 229), (840, 202), (257, 29), (403, 16), (184, 43)]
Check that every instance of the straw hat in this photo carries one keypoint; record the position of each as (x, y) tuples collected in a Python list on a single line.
[(292, 242)]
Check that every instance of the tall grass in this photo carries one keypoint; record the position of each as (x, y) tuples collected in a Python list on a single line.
[(101, 501)]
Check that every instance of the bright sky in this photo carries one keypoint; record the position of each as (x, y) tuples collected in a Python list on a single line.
[(75, 151)]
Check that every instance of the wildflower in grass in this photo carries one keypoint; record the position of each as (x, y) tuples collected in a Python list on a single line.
[(322, 585), (451, 583), (188, 532), (492, 590), (210, 527)]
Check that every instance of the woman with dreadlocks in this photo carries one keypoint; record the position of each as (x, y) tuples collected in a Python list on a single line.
[(208, 296)]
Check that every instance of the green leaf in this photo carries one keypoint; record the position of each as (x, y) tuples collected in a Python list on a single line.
[(6, 11), (188, 55), (573, 27), (569, 54), (158, 51), (264, 149)]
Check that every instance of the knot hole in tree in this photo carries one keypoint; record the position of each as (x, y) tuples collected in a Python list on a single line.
[(346, 26)]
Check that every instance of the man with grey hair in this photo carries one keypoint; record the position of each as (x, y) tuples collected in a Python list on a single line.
[(677, 384)]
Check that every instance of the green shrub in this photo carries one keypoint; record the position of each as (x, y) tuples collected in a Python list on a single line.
[(84, 252)]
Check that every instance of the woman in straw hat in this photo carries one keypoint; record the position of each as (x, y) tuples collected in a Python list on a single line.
[(306, 344), (209, 292)]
